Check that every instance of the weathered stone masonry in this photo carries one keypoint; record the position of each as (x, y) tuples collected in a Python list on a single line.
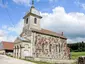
[(47, 46)]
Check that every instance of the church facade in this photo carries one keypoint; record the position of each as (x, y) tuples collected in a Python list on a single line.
[(37, 43)]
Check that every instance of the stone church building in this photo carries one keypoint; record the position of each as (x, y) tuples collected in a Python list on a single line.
[(37, 43)]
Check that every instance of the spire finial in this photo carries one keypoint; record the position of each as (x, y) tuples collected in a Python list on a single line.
[(32, 3)]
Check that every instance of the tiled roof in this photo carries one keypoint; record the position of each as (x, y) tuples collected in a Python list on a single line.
[(48, 32), (7, 45)]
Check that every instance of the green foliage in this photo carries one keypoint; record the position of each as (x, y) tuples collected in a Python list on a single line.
[(77, 47)]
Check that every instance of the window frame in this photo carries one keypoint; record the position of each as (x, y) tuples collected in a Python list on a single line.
[(26, 20), (50, 47), (56, 48), (43, 47), (35, 20)]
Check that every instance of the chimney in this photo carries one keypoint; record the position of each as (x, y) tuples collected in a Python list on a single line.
[(62, 34)]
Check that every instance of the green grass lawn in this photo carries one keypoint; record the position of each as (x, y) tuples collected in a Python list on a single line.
[(75, 55)]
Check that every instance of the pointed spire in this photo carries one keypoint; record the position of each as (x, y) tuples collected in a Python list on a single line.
[(32, 3)]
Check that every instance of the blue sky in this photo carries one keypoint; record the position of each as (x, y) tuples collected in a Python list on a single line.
[(17, 10), (13, 11)]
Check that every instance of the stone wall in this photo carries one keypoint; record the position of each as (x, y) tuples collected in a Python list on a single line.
[(42, 46), (50, 47)]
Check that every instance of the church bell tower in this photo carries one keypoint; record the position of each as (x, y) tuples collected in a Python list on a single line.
[(32, 18)]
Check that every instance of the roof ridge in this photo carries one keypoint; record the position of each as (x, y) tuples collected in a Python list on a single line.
[(6, 42), (52, 31)]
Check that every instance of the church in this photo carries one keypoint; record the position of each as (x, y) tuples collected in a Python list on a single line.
[(37, 43)]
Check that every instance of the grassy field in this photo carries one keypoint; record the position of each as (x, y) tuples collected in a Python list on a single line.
[(75, 55)]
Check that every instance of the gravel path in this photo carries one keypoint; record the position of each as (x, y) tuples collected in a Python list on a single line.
[(8, 60)]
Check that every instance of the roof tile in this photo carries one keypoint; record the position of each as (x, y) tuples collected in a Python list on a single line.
[(8, 45)]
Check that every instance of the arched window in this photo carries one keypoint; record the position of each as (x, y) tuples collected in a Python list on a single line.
[(20, 50), (43, 47), (50, 47), (15, 49), (35, 20), (27, 21), (59, 48), (20, 46), (56, 48)]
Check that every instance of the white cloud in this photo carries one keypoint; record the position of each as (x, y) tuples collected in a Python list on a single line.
[(9, 38), (17, 28), (9, 33), (2, 33), (72, 24)]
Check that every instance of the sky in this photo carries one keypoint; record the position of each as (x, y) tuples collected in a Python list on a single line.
[(67, 16)]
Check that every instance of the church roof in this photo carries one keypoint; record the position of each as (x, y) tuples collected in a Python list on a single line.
[(48, 32), (30, 13)]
